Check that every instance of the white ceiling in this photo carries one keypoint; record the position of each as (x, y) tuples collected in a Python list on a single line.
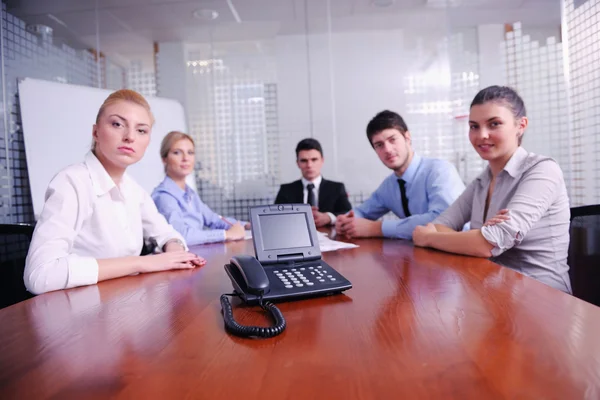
[(130, 27)]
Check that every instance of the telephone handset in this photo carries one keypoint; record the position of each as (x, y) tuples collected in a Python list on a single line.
[(250, 277), (254, 279)]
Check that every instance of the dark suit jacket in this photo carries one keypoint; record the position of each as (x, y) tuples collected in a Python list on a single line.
[(332, 196)]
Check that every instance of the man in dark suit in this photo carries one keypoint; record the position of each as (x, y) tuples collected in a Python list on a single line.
[(327, 198)]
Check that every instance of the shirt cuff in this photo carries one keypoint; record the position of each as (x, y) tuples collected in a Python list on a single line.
[(82, 271), (502, 236), (332, 217), (388, 228), (233, 221), (206, 236)]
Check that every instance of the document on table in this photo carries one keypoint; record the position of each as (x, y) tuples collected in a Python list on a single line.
[(326, 244)]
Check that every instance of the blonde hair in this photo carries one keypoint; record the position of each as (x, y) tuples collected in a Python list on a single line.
[(123, 95), (170, 139)]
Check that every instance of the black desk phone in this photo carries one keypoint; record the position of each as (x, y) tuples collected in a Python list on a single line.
[(288, 266)]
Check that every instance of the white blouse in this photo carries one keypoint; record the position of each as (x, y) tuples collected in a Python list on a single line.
[(86, 217)]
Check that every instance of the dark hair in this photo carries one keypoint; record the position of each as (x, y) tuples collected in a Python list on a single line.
[(503, 95), (309, 144), (386, 119)]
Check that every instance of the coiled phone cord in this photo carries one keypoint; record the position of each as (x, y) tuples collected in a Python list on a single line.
[(232, 326)]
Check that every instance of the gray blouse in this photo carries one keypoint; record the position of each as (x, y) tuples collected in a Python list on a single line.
[(535, 240)]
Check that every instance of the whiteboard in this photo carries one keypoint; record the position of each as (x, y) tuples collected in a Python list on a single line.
[(57, 123)]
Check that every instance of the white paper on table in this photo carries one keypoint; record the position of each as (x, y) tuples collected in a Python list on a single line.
[(326, 244)]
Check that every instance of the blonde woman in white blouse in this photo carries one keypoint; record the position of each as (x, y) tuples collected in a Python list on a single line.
[(95, 216)]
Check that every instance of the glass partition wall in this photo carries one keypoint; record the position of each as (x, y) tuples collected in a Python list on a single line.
[(255, 77)]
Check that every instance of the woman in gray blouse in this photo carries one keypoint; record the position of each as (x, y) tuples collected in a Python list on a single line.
[(521, 196)]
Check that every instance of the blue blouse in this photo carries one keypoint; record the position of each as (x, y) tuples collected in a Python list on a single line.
[(184, 210), (431, 186)]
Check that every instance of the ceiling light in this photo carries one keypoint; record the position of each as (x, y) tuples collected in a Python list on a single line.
[(205, 14)]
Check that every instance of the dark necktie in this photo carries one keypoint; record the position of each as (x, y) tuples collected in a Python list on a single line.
[(404, 198), (311, 195)]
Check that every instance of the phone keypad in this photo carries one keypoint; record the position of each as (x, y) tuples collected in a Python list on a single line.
[(304, 276)]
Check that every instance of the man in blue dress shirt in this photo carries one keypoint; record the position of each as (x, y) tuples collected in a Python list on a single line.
[(417, 192)]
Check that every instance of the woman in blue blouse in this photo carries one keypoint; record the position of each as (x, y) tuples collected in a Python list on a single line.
[(181, 205)]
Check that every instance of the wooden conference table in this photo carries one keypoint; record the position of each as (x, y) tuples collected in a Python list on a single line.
[(418, 324)]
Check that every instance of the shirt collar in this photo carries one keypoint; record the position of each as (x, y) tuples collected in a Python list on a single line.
[(411, 171), (317, 182), (514, 166), (169, 186), (101, 180)]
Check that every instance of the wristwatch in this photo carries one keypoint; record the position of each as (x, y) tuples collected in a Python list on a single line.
[(174, 241)]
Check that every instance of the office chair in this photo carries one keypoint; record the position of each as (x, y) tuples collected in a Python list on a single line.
[(584, 253), (14, 244)]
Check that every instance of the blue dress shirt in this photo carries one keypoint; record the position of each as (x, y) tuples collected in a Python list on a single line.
[(431, 186), (184, 210)]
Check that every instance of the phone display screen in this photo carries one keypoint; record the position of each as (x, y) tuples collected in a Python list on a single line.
[(284, 231)]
